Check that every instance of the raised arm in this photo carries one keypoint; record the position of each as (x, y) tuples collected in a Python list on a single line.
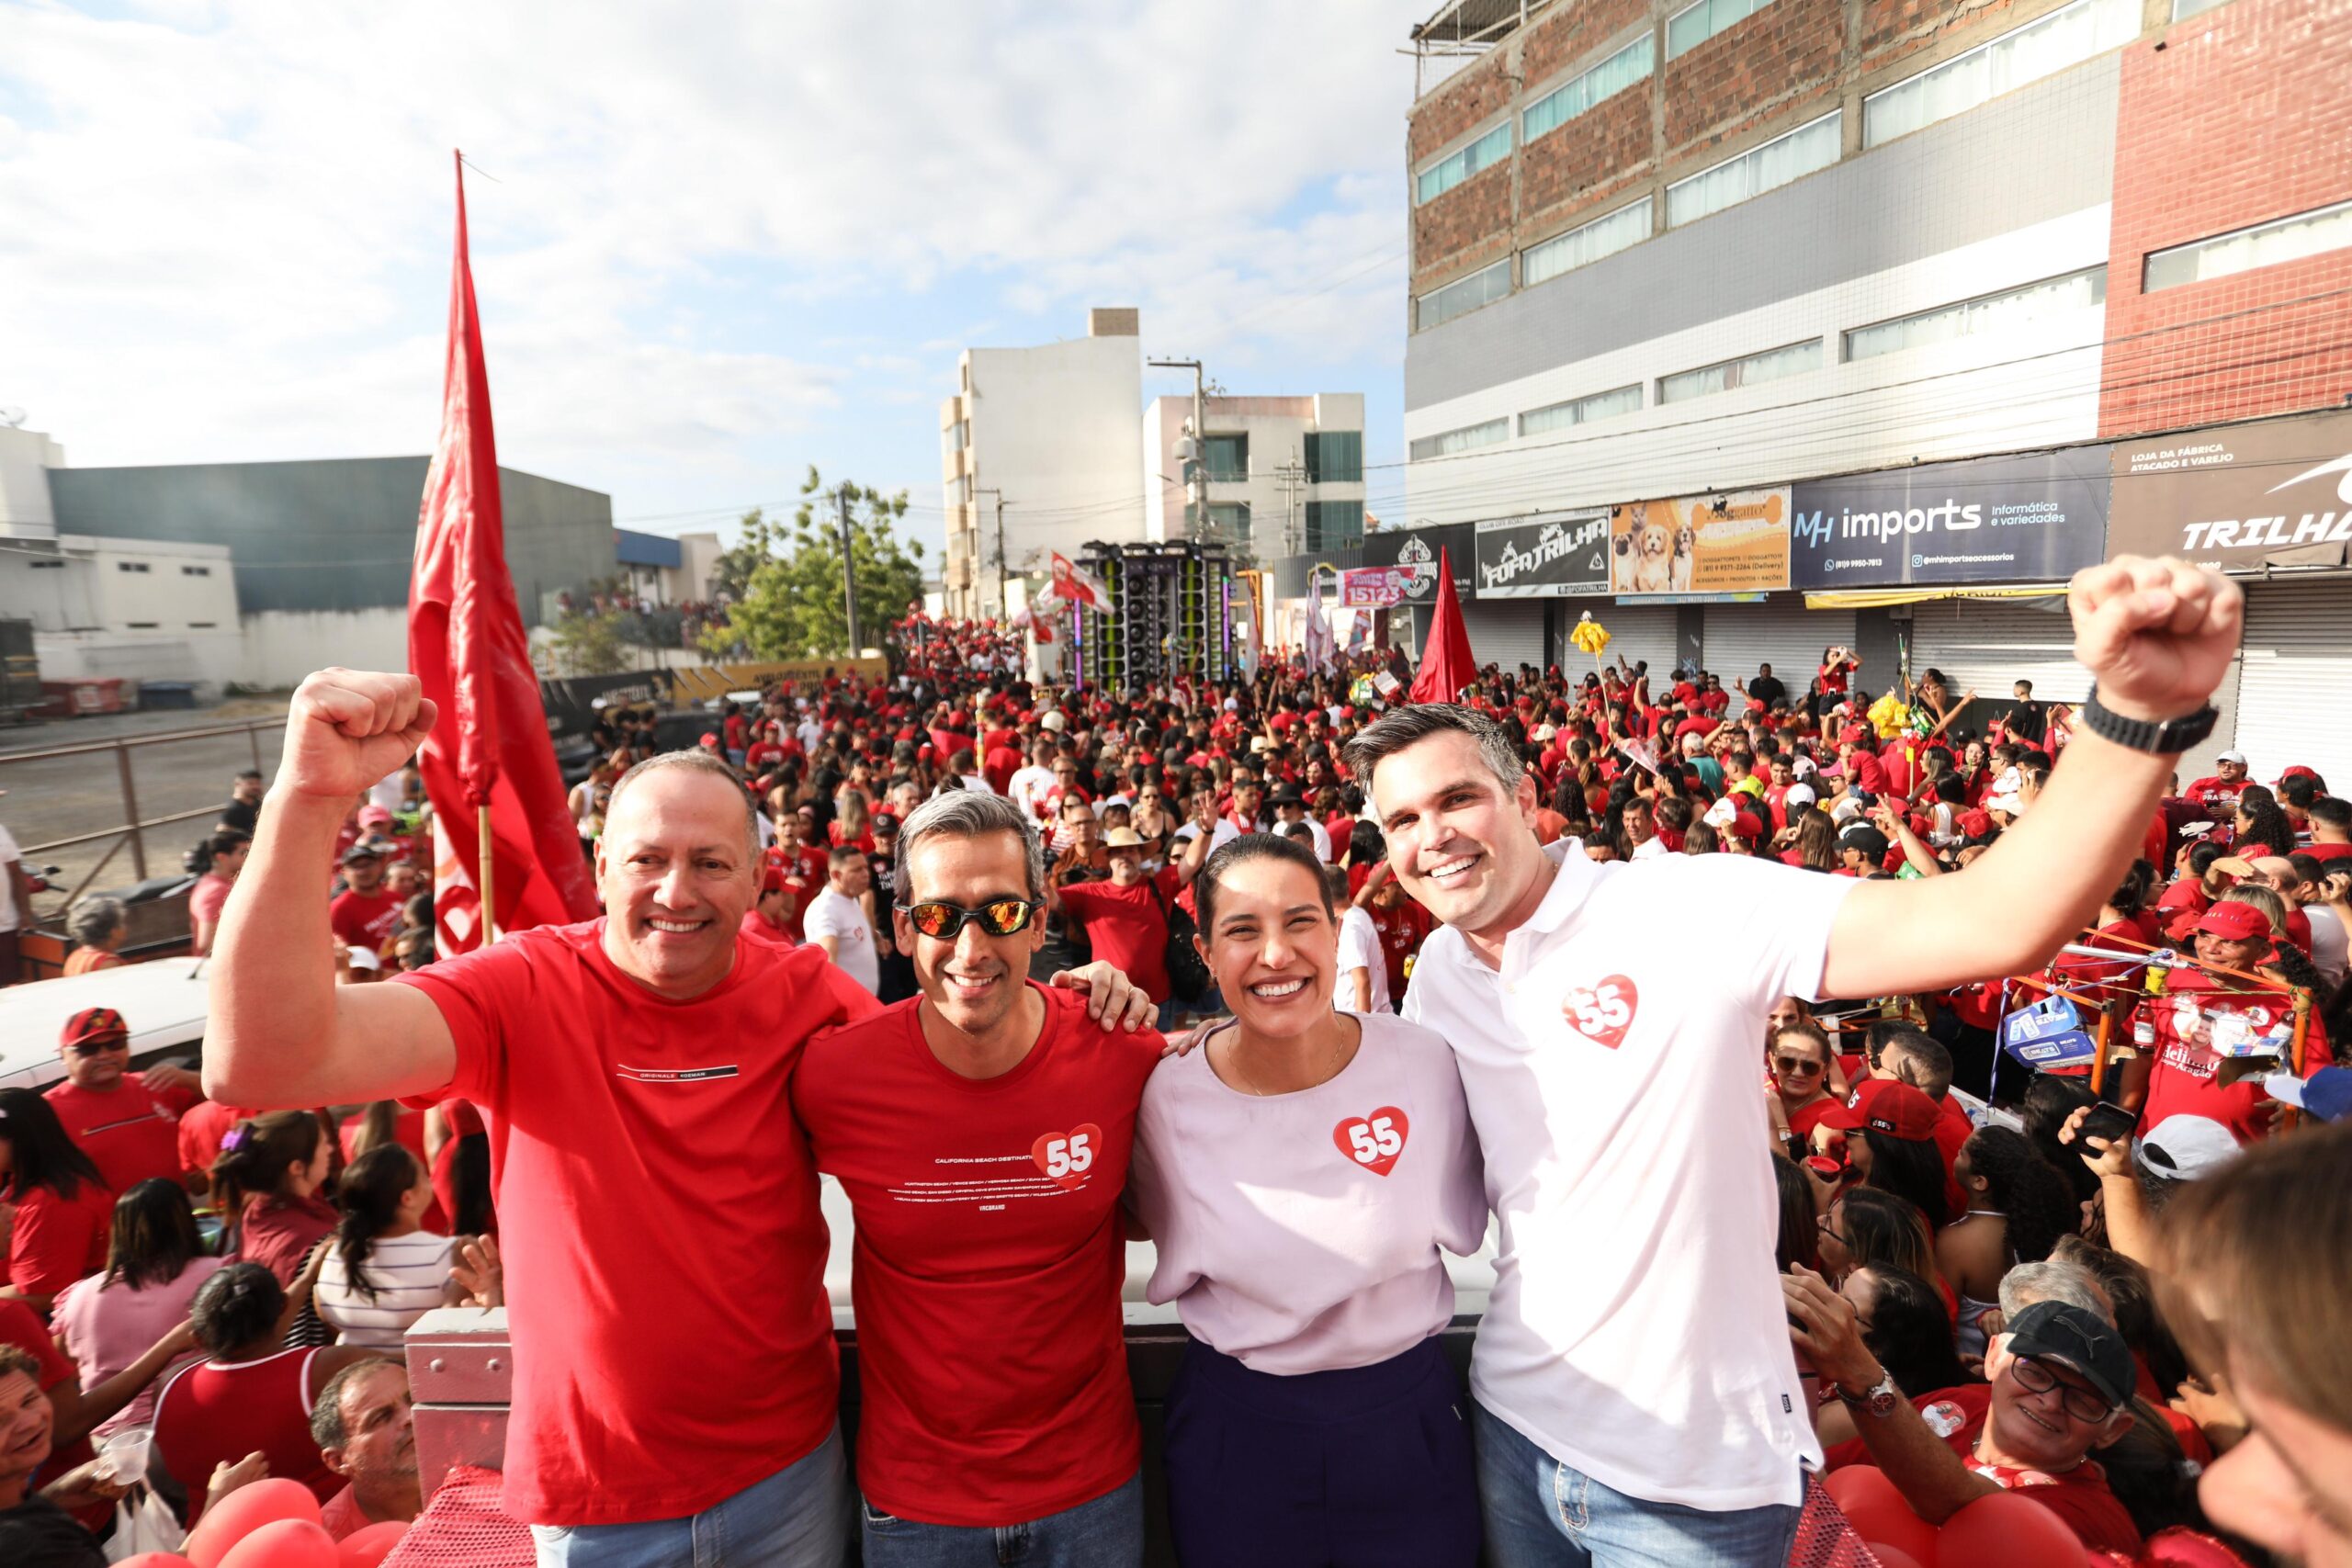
[(281, 1032), (2158, 636)]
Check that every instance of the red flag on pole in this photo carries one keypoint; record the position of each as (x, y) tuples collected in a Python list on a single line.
[(489, 769), (1446, 662)]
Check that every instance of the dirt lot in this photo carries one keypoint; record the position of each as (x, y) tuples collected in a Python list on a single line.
[(61, 797)]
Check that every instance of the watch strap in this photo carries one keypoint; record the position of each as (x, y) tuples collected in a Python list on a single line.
[(2160, 738)]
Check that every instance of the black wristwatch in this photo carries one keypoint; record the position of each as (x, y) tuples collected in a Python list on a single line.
[(2165, 737)]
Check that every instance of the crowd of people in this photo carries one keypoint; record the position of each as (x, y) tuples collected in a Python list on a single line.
[(1682, 992)]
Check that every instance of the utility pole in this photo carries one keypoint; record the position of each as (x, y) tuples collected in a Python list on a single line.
[(849, 572), (1292, 474), (1003, 605), (1197, 490)]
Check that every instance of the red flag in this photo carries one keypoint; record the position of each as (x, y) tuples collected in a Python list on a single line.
[(1446, 662), (466, 643)]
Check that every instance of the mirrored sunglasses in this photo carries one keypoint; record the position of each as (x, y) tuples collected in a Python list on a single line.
[(945, 921)]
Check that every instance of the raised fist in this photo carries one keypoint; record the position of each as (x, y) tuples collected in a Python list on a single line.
[(2158, 635), (347, 729)]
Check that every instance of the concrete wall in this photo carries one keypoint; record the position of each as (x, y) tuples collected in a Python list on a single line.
[(1055, 429), (335, 535), (279, 647), (25, 457)]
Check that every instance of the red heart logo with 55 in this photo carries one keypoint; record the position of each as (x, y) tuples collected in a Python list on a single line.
[(1374, 1142), (1066, 1158), (1602, 1013)]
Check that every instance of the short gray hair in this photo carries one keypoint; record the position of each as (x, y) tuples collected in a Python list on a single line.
[(700, 762), (1416, 722), (2051, 1281), (965, 814), (93, 918), (326, 1411)]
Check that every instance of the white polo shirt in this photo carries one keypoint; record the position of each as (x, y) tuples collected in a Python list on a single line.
[(1636, 1331)]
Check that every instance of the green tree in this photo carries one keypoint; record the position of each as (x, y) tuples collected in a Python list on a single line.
[(791, 603), (592, 642)]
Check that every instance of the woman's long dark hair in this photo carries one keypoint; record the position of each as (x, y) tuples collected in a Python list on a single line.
[(469, 1187), (1911, 1170), (370, 1193), (1883, 1229), (1800, 1238), (2049, 1101), (1910, 1333), (2039, 1205), (155, 1237), (41, 1153), (2266, 826), (378, 1125), (254, 1156)]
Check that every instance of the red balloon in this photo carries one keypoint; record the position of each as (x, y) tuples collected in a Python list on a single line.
[(285, 1544), (244, 1511), (154, 1559), (1879, 1514), (366, 1549), (1891, 1557), (2008, 1530)]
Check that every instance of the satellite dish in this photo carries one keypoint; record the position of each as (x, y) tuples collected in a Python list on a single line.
[(11, 418)]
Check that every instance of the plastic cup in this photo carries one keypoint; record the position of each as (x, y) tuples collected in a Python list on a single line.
[(125, 1453)]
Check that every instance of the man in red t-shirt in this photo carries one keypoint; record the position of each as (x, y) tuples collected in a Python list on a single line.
[(657, 1035), (2216, 794), (366, 914), (2062, 1381), (981, 1131), (1125, 919), (110, 1115)]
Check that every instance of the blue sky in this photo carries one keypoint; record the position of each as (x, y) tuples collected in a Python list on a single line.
[(717, 243)]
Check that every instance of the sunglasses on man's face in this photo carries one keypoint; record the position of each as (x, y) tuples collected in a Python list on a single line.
[(945, 921), (100, 1047)]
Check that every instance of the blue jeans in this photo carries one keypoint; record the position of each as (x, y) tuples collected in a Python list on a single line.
[(798, 1517), (1539, 1513), (1105, 1533)]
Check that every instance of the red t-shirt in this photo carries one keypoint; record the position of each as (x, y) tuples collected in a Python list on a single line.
[(1949, 1412), (1127, 927), (2323, 852), (804, 875), (2080, 1498), (365, 919), (696, 1220), (1402, 930), (58, 1239), (210, 1413), (2185, 1079), (2212, 796), (128, 1135), (999, 766), (989, 1261), (758, 929), (201, 1128)]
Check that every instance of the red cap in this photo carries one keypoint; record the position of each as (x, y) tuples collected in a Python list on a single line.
[(1976, 823), (2236, 923), (1884, 1105), (709, 738), (1748, 826), (2297, 772), (94, 1024)]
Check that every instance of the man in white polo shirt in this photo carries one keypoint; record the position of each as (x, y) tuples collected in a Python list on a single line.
[(1637, 1398)]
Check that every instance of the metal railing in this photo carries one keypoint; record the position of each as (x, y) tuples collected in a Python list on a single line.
[(133, 827)]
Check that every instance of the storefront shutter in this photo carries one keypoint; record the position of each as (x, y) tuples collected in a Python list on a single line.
[(2297, 668)]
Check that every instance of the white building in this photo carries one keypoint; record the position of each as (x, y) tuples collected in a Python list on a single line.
[(1040, 451), (1285, 474)]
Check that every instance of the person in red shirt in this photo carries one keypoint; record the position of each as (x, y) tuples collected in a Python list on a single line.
[(776, 913), (656, 1035), (366, 914), (2216, 794), (1400, 919), (109, 1114), (2061, 1381), (64, 1210), (2196, 1063), (981, 1131), (1125, 919), (2331, 819)]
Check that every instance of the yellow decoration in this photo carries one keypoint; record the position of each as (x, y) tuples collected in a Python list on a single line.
[(1589, 636)]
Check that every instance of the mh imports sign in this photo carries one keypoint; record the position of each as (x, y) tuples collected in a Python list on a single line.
[(1545, 555), (2039, 517)]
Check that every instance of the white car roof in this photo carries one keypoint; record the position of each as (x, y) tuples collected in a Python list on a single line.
[(165, 1002)]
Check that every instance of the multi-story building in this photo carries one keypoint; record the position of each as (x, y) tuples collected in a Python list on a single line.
[(1794, 261), (1039, 453), (1281, 474)]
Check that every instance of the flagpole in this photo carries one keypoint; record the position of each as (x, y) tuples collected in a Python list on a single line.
[(484, 858)]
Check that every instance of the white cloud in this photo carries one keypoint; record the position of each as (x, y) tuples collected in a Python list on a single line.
[(227, 224)]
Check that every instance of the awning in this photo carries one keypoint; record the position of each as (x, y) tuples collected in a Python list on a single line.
[(1879, 598)]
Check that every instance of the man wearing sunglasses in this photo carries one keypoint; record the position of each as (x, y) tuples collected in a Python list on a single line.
[(2062, 1381), (981, 1131), (110, 1115)]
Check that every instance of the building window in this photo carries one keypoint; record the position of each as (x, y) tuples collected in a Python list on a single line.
[(1694, 25), (1335, 457), (1462, 440), (2242, 250), (1334, 525), (130, 565), (202, 626), (2184, 9), (1581, 92), (1990, 313), (1227, 458), (1586, 244), (1581, 411), (45, 565), (1481, 288), (1754, 171), (1459, 164), (2040, 48), (1229, 522), (195, 571), (1731, 374)]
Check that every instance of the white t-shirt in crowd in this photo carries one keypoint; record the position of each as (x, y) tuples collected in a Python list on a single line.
[(408, 1272), (1223, 833), (1360, 949), (975, 783), (1650, 849), (837, 915), (1299, 1233), (1636, 1331), (1322, 844), (2330, 946), (1028, 787)]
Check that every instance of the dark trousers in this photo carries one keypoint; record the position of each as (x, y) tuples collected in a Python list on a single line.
[(1369, 1467)]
